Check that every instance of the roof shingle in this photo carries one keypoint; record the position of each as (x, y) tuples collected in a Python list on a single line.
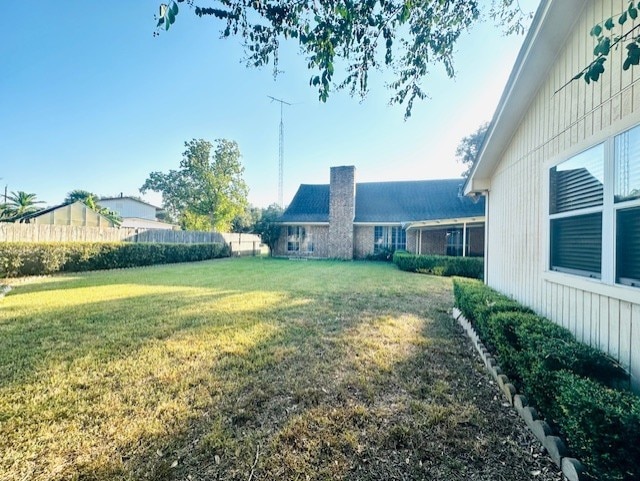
[(389, 202)]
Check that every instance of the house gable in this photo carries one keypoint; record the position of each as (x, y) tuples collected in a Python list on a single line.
[(526, 141)]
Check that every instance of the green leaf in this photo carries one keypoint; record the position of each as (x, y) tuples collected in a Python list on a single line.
[(626, 64), (577, 76), (170, 16), (603, 47), (609, 24), (596, 31), (167, 24), (623, 18), (174, 9), (633, 12), (405, 14), (160, 21)]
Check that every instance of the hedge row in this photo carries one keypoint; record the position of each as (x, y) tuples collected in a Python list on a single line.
[(440, 265), (27, 258), (575, 386)]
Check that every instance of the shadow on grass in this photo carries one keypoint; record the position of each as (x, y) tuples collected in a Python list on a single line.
[(332, 379)]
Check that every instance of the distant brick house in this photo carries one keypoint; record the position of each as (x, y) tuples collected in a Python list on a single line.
[(347, 220)]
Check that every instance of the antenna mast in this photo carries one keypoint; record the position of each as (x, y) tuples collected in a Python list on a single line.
[(280, 151)]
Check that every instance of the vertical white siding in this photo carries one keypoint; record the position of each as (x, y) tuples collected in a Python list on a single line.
[(555, 124)]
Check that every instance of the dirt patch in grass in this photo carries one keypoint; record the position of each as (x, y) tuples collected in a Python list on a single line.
[(249, 369)]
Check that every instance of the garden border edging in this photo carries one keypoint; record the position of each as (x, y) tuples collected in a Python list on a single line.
[(4, 290), (572, 469)]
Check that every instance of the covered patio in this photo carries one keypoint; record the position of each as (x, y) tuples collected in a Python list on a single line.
[(451, 237)]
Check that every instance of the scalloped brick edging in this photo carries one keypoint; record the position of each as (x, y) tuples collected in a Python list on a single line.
[(572, 469), (4, 290)]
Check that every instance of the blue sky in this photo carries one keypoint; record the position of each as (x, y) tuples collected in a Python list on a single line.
[(89, 99)]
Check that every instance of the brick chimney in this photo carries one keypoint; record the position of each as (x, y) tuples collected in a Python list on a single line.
[(342, 210)]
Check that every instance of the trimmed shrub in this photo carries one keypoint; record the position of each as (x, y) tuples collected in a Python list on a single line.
[(601, 425), (570, 382), (472, 267), (479, 302), (23, 259), (384, 254)]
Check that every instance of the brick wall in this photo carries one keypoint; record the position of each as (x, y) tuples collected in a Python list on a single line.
[(363, 241), (434, 242), (412, 241), (318, 234), (475, 238), (341, 212)]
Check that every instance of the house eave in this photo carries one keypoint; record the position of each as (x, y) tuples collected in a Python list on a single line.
[(544, 40), (286, 222), (445, 222)]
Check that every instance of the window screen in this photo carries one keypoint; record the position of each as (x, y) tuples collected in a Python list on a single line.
[(628, 246), (576, 244)]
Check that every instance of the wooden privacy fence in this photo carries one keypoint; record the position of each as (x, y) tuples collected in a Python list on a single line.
[(241, 244)]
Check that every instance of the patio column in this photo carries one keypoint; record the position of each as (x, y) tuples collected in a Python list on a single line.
[(419, 241), (464, 239)]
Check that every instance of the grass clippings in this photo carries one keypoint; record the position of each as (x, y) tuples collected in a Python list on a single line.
[(255, 369)]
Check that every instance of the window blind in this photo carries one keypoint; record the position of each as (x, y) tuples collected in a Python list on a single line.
[(578, 182), (576, 244), (628, 246)]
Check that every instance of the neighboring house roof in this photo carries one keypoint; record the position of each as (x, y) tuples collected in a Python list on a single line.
[(135, 199), (545, 39), (388, 202), (38, 213), (42, 212)]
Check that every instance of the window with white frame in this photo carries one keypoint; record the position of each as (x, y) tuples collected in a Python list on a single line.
[(295, 238), (455, 242), (626, 207), (308, 243), (389, 238), (594, 211)]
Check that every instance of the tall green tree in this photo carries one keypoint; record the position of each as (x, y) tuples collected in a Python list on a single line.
[(350, 39), (469, 148), (207, 191), (247, 220), (268, 228), (21, 203)]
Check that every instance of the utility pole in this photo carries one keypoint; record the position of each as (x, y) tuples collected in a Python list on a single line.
[(281, 152)]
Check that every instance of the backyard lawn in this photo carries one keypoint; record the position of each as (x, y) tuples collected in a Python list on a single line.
[(249, 369)]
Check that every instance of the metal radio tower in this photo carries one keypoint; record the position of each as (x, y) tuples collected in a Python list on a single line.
[(280, 152)]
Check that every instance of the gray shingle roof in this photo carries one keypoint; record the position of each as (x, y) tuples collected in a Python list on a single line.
[(310, 204), (393, 202)]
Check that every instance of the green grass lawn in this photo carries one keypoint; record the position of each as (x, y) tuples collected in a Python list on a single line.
[(245, 368)]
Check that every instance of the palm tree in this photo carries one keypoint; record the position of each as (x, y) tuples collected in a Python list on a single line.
[(79, 194), (91, 201), (21, 203)]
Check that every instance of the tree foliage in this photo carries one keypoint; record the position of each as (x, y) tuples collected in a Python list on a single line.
[(609, 35), (469, 148), (78, 195), (20, 203), (207, 192), (247, 220), (267, 227), (353, 38)]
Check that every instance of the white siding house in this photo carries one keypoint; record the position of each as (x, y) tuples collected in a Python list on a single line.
[(135, 213), (560, 169), (130, 207)]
